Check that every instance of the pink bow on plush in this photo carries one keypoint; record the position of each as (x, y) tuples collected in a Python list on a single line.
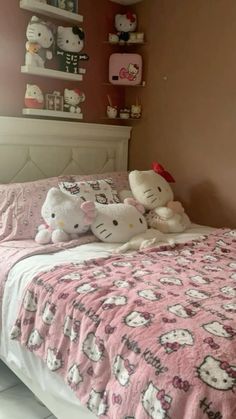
[(136, 204), (89, 211), (176, 207)]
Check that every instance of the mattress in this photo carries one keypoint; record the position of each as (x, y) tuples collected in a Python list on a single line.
[(18, 278)]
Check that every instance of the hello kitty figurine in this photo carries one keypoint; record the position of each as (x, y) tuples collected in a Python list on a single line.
[(34, 98), (151, 189), (40, 39), (72, 98), (64, 218), (70, 42), (125, 24)]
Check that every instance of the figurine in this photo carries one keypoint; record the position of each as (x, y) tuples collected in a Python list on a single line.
[(54, 101), (70, 42), (39, 39), (125, 24), (34, 98), (72, 98), (136, 111)]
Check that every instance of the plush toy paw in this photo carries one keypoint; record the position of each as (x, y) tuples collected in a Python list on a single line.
[(60, 236), (43, 236), (164, 212)]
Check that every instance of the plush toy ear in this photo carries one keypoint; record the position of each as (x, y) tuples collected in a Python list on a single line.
[(55, 194), (89, 211), (136, 204)]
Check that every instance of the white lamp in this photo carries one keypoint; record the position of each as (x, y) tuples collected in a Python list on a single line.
[(126, 2)]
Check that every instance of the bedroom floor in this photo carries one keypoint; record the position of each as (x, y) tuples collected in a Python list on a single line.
[(16, 400)]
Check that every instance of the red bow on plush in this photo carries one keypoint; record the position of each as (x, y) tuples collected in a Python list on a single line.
[(159, 169), (131, 16)]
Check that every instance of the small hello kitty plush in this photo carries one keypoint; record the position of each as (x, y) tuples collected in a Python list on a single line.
[(40, 39), (116, 223), (70, 42), (72, 99), (151, 189), (34, 98), (64, 218), (125, 24)]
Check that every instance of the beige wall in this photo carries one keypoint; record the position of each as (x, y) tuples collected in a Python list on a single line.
[(189, 122)]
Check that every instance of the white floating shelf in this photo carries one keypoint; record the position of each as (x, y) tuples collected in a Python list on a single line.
[(46, 72), (50, 11), (45, 113)]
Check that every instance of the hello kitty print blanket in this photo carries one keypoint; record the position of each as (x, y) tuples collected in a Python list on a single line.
[(145, 335)]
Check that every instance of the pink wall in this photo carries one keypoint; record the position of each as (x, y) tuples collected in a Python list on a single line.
[(97, 23)]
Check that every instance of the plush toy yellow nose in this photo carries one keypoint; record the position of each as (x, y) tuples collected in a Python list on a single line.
[(131, 225), (61, 223)]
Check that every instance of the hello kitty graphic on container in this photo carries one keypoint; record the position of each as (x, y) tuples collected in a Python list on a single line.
[(125, 69)]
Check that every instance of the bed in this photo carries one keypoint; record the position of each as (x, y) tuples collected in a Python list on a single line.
[(32, 146)]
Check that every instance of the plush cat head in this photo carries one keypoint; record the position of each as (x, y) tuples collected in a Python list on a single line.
[(117, 223), (150, 189), (217, 374), (73, 97), (34, 92), (70, 39), (39, 32), (126, 23), (62, 211)]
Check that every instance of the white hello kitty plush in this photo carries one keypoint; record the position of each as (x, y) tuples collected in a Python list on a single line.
[(72, 99), (40, 39), (152, 190), (34, 98), (70, 42), (64, 218), (125, 24), (116, 223)]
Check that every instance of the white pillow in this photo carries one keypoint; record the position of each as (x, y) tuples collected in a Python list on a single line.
[(101, 191)]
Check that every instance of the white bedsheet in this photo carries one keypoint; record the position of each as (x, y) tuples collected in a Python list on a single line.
[(20, 275)]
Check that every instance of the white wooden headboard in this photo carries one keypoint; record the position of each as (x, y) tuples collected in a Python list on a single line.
[(32, 149)]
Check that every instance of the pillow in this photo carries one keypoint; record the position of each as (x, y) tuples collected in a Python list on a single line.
[(100, 191), (120, 179), (20, 207)]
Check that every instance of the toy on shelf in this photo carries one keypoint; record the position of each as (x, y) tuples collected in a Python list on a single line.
[(126, 25), (40, 39), (124, 113), (54, 101), (72, 99), (70, 42), (136, 111), (112, 110), (34, 98), (69, 5), (125, 69)]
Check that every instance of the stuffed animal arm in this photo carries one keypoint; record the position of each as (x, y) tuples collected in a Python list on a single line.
[(64, 218), (145, 240)]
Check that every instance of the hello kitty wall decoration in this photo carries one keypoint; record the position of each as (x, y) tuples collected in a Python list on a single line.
[(70, 42), (40, 39)]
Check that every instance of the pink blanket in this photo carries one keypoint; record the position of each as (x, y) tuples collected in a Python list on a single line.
[(147, 335)]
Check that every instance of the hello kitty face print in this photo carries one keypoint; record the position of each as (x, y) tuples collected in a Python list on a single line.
[(86, 288), (198, 279), (217, 374), (198, 295), (116, 300), (71, 328), (229, 291), (35, 340), (155, 402), (16, 330), (122, 370), (74, 377), (175, 339), (30, 301), (97, 403), (93, 347), (150, 189), (171, 281), (54, 359), (118, 223), (138, 319), (180, 311), (231, 307), (149, 294), (49, 313), (218, 329)]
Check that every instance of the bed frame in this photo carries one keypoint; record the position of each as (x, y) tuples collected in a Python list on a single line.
[(32, 149)]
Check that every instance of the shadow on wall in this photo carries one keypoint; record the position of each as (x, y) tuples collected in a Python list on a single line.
[(206, 204)]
